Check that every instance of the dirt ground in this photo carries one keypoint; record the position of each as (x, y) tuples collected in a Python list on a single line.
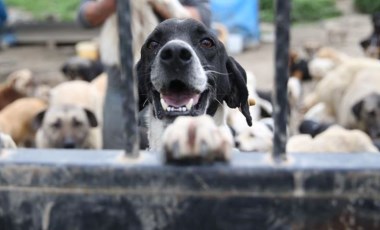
[(46, 62)]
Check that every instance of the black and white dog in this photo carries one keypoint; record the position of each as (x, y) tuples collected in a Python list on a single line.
[(184, 71)]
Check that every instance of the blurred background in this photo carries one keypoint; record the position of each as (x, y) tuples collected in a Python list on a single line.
[(41, 35)]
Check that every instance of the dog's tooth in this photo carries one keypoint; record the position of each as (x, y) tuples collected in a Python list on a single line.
[(163, 104), (190, 104)]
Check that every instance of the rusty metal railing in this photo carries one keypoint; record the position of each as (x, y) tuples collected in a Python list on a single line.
[(130, 108), (281, 79)]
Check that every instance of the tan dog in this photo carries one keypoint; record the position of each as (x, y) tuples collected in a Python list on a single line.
[(66, 126), (6, 142), (335, 139), (360, 106), (79, 93), (100, 84), (325, 60), (71, 103), (332, 87), (16, 119)]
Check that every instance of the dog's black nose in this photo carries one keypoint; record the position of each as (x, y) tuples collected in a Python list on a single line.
[(69, 144), (175, 54)]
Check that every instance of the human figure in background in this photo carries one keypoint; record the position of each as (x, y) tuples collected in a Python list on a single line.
[(146, 14), (3, 14), (7, 38)]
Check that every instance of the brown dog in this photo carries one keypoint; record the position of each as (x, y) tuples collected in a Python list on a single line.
[(16, 119), (17, 85)]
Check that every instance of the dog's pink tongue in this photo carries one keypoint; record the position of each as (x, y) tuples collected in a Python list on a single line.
[(178, 100)]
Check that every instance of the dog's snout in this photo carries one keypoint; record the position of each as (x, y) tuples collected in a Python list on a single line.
[(176, 54), (69, 144)]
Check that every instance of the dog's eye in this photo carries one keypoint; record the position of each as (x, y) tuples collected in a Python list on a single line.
[(152, 45), (77, 123), (372, 113), (56, 125), (207, 43)]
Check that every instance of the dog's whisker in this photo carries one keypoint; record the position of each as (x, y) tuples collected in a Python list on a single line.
[(146, 101), (215, 72), (219, 102)]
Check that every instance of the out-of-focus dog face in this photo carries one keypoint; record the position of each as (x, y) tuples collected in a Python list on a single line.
[(298, 67), (65, 126), (185, 70), (258, 138), (367, 112), (77, 68)]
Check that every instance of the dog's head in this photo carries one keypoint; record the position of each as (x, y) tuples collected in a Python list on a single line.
[(78, 68), (367, 113), (65, 126), (185, 70)]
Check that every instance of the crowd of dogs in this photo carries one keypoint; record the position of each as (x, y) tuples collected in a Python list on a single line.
[(340, 111)]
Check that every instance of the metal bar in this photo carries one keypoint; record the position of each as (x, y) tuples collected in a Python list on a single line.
[(130, 109), (281, 78)]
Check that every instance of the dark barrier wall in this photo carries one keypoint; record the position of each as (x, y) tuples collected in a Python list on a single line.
[(102, 190)]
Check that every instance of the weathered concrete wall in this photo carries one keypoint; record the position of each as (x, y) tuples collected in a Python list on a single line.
[(46, 189)]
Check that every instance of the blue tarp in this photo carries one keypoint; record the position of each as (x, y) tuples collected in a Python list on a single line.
[(240, 16), (3, 13)]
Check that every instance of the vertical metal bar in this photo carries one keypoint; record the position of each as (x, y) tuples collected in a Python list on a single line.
[(130, 109), (281, 78)]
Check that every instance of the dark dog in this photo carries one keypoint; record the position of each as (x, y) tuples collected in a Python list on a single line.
[(78, 68), (371, 45), (313, 128), (298, 67), (184, 70)]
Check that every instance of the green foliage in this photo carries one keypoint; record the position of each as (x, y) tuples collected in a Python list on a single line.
[(367, 6), (62, 9), (302, 10)]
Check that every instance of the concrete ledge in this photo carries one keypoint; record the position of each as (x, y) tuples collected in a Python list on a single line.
[(57, 189), (52, 32)]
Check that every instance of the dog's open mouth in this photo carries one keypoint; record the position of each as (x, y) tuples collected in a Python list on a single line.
[(178, 99)]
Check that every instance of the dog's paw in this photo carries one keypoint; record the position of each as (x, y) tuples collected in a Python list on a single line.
[(7, 142), (196, 139)]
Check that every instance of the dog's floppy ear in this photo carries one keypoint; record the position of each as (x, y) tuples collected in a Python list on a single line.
[(238, 96), (357, 109), (141, 85), (91, 118), (37, 121), (365, 43)]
